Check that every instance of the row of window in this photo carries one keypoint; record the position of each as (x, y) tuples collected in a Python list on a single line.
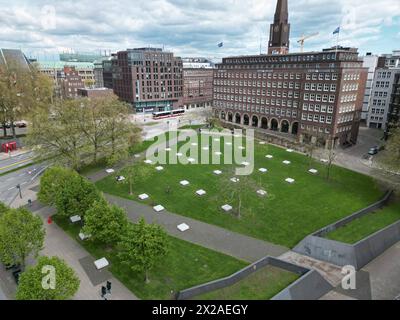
[(273, 102), (316, 118), (350, 87), (259, 84), (258, 92), (384, 74), (348, 98), (321, 76), (320, 87), (345, 118), (315, 128), (257, 75), (347, 108), (319, 97), (379, 102), (382, 84), (343, 129), (317, 108), (270, 111), (382, 94), (377, 111)]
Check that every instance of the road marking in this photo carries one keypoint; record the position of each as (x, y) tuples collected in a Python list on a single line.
[(24, 183), (19, 164), (10, 188)]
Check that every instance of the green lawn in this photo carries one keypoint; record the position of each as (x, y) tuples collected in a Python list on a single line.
[(360, 228), (287, 215), (260, 285), (186, 265)]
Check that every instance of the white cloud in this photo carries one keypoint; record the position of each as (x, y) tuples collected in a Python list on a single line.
[(191, 27)]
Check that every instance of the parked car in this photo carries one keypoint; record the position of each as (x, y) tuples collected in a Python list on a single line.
[(373, 151), (20, 124)]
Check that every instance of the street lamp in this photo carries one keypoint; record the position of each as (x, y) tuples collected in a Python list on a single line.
[(19, 188)]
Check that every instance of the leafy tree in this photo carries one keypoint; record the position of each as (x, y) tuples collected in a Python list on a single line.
[(3, 208), (391, 155), (105, 223), (36, 283), (143, 246), (71, 193), (21, 234), (137, 172)]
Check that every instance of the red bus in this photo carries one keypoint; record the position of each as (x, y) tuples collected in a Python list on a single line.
[(168, 114)]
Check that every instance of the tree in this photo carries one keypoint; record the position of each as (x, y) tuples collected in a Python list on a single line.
[(21, 234), (391, 155), (136, 172), (69, 192), (143, 246), (3, 208), (23, 90), (36, 282), (105, 223)]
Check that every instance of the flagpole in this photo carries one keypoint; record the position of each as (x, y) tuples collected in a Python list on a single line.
[(337, 43)]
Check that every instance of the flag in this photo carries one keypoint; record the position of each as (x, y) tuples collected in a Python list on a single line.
[(337, 30), (220, 44)]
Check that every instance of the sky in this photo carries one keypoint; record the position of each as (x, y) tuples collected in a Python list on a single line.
[(190, 28)]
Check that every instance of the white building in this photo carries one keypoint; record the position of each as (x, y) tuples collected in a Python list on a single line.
[(371, 62)]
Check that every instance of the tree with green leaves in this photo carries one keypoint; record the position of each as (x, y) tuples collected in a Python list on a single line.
[(69, 192), (105, 223), (21, 235), (143, 246), (391, 155), (50, 279), (137, 172)]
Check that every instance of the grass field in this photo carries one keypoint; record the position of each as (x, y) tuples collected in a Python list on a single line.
[(260, 285), (285, 216), (186, 265), (360, 228)]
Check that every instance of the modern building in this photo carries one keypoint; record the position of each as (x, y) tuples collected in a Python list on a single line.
[(148, 78), (82, 56), (98, 72), (394, 106), (370, 61), (95, 92), (68, 83), (312, 96), (197, 83), (108, 71)]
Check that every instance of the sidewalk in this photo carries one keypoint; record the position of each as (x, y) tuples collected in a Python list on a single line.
[(18, 152), (201, 233)]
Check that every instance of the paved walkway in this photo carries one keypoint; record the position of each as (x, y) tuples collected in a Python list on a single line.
[(201, 233), (58, 243)]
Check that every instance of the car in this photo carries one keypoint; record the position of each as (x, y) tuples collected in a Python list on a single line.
[(373, 151), (20, 124)]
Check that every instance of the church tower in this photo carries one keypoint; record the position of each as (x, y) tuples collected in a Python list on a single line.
[(279, 30)]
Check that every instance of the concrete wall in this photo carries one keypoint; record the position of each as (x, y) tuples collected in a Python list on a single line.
[(358, 254), (309, 286)]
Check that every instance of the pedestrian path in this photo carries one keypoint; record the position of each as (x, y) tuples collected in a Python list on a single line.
[(201, 233)]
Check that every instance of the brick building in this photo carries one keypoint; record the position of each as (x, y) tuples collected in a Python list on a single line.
[(148, 78), (95, 92), (68, 82), (197, 83), (312, 96)]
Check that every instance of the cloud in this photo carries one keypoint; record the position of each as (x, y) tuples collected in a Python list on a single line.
[(192, 27)]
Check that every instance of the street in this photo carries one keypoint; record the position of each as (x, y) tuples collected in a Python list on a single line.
[(8, 163)]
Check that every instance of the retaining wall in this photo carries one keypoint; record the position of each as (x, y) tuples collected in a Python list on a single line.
[(358, 254), (309, 286)]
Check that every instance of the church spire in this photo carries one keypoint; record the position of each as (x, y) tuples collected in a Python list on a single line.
[(279, 30)]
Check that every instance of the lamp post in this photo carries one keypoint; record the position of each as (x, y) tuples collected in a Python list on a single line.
[(19, 189)]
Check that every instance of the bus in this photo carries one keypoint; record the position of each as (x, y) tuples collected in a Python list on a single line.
[(168, 114)]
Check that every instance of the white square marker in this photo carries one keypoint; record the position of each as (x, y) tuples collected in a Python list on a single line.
[(183, 227), (184, 182), (167, 149), (289, 150), (137, 155), (226, 207), (83, 236), (217, 139), (101, 263), (179, 154), (75, 219), (191, 160), (268, 156), (313, 171), (120, 178), (110, 170), (262, 193), (143, 196), (263, 170), (200, 192), (286, 162), (158, 208), (159, 168), (324, 160), (245, 163), (217, 172), (241, 148), (228, 143), (289, 180), (148, 161), (194, 144), (262, 142), (237, 135), (206, 148), (218, 153), (235, 179)]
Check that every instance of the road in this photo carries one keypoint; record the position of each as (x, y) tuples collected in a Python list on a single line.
[(13, 162), (24, 177)]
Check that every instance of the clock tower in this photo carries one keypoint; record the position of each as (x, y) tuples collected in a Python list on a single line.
[(279, 30)]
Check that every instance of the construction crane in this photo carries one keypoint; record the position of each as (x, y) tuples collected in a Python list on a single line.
[(304, 38)]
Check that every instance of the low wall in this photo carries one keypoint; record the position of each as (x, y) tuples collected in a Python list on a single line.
[(311, 287), (358, 254)]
